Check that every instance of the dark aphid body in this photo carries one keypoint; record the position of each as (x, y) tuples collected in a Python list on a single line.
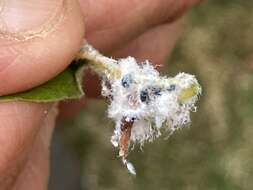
[(171, 88), (144, 97), (156, 91), (126, 81)]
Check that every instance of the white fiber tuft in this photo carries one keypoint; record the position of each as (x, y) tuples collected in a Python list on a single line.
[(142, 102), (150, 101)]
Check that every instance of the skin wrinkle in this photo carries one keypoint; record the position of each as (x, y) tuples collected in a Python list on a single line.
[(9, 52), (20, 122), (17, 139), (17, 145), (10, 176), (23, 142), (28, 165), (38, 158), (9, 49), (49, 26), (13, 168), (14, 59), (10, 66)]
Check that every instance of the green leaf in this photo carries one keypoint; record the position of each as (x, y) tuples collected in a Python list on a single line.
[(67, 85)]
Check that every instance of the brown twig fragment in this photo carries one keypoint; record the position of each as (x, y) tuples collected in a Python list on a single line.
[(126, 127)]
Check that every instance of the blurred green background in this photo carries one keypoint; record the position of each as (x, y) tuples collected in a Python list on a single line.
[(215, 153)]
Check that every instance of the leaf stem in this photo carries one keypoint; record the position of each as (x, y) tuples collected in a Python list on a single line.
[(104, 66)]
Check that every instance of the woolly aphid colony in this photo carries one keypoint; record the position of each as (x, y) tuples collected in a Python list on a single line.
[(141, 101)]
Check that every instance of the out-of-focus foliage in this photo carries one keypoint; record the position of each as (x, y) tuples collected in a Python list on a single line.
[(216, 152)]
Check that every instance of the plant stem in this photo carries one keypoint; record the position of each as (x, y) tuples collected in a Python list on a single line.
[(104, 66)]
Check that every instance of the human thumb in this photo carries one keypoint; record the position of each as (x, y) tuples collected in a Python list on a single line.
[(38, 39)]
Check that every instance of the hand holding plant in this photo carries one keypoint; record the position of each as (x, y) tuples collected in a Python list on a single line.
[(39, 39)]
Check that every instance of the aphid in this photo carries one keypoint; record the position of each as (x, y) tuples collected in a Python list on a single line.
[(144, 97), (172, 87), (126, 81), (156, 91)]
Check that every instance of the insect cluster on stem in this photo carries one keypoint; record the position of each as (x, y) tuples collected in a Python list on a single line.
[(141, 101)]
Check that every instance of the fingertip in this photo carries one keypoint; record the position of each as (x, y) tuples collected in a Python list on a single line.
[(29, 59)]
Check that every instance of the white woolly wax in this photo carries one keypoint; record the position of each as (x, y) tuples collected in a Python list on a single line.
[(141, 101)]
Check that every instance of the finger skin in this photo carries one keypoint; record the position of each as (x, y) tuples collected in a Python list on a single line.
[(155, 45), (25, 64), (36, 171), (28, 63), (19, 126), (111, 24)]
